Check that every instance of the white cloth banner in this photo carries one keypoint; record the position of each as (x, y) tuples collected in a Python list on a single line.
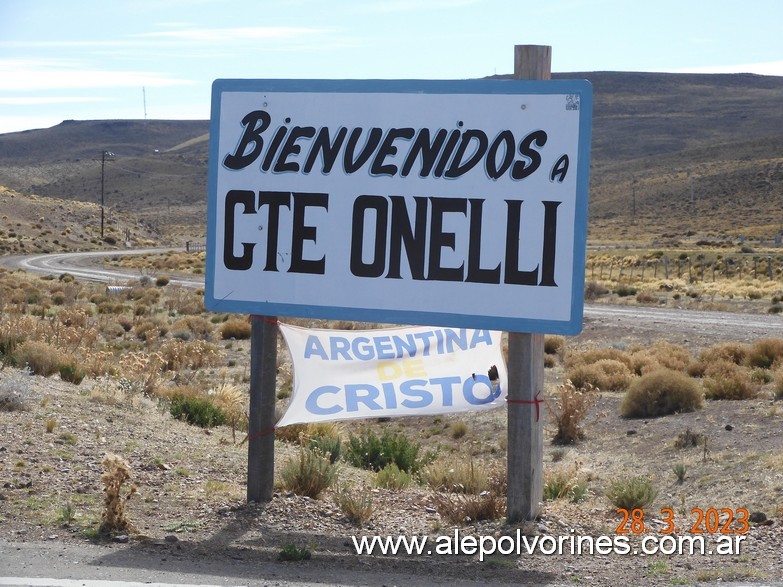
[(412, 371)]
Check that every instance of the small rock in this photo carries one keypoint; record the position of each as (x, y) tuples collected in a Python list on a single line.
[(53, 537), (2, 497), (171, 538), (757, 518), (430, 510), (729, 427), (630, 432), (122, 539)]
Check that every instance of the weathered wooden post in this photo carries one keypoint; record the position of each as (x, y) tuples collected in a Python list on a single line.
[(261, 420), (526, 367)]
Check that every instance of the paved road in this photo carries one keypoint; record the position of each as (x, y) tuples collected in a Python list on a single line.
[(709, 327)]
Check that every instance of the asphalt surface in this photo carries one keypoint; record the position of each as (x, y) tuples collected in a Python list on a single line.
[(643, 320)]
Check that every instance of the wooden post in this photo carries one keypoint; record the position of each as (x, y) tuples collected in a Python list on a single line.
[(261, 420), (526, 367)]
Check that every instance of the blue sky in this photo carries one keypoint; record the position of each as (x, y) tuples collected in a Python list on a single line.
[(87, 59)]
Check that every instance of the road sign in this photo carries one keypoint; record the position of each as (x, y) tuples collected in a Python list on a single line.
[(455, 203)]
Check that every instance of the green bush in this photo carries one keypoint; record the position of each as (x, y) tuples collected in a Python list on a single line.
[(368, 451), (309, 473), (72, 373), (659, 393), (198, 411), (390, 477), (625, 290), (631, 492), (330, 446), (290, 552)]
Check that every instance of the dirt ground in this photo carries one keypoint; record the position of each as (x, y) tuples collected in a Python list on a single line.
[(190, 502)]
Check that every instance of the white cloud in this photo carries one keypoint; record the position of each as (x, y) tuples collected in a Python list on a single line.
[(31, 75), (388, 6), (225, 35), (37, 100)]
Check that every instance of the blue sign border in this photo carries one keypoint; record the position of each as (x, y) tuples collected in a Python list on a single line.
[(484, 86)]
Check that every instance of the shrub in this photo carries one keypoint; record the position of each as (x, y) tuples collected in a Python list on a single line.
[(605, 374), (391, 477), (763, 353), (456, 477), (72, 373), (459, 429), (660, 393), (463, 508), (162, 280), (308, 473), (117, 473), (779, 385), (357, 507), (592, 356), (644, 362), (625, 290), (646, 297), (727, 351), (564, 483), (631, 492), (689, 439), (553, 344), (724, 380), (235, 328), (15, 389), (199, 411), (290, 552), (330, 445), (594, 290), (368, 451), (679, 472), (41, 357), (671, 356), (569, 409)]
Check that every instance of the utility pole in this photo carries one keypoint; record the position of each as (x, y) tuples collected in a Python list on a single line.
[(104, 154)]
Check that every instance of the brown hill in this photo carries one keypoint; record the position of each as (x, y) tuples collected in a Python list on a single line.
[(672, 154)]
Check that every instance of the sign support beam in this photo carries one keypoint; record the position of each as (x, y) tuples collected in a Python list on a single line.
[(261, 420), (526, 367)]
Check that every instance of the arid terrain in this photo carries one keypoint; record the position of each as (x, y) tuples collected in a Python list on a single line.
[(686, 193)]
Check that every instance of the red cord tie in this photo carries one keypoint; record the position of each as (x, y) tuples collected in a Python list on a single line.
[(265, 318), (536, 401), (258, 435)]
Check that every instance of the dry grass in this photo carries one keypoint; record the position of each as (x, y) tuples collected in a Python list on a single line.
[(569, 408), (114, 518), (456, 477)]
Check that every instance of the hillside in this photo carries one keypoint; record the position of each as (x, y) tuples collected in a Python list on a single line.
[(672, 155)]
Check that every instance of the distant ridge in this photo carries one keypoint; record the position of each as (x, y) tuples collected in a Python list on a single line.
[(692, 150)]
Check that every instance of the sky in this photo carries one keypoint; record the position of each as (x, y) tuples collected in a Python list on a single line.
[(156, 59)]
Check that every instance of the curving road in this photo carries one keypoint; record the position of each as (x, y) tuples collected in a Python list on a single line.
[(601, 320)]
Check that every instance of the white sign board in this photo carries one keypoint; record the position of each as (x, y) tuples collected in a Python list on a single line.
[(453, 203), (354, 374)]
